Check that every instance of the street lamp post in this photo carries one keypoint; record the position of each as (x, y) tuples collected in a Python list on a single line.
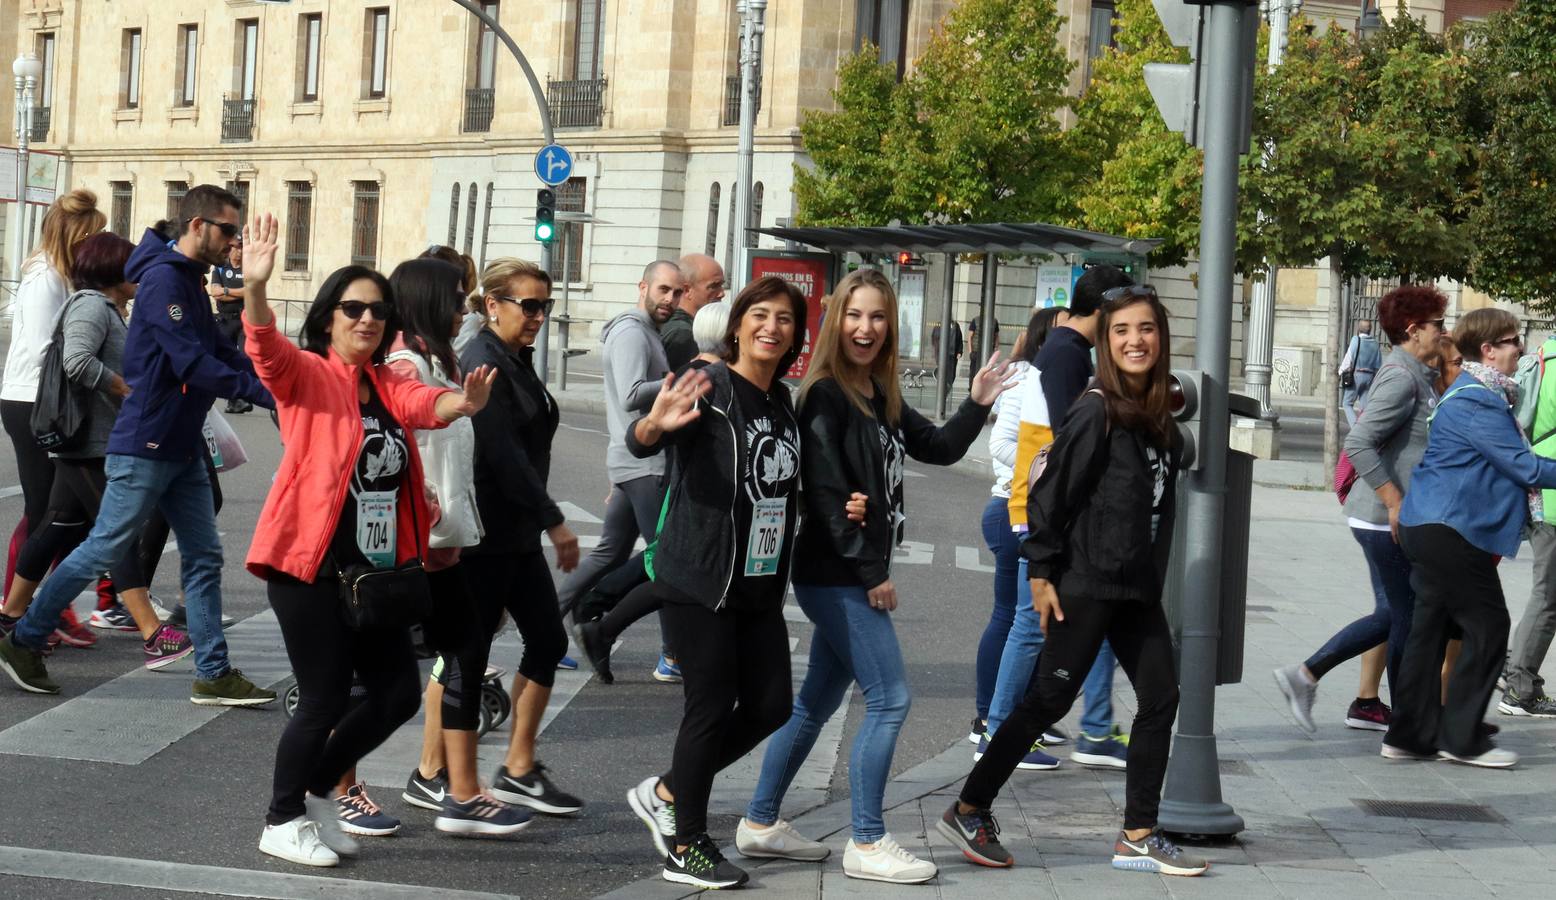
[(751, 30), (1261, 312), (27, 69)]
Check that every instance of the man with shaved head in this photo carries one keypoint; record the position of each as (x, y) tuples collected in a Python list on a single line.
[(703, 278)]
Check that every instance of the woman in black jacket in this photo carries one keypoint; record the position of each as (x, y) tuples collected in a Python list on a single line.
[(1102, 516), (720, 564), (857, 435), (512, 461)]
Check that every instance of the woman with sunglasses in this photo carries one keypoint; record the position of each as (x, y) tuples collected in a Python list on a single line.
[(1384, 446), (512, 463), (349, 491), (1469, 500), (1101, 517)]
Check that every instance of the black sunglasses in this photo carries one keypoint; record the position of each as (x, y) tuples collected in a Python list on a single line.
[(530, 306), (1129, 292), (355, 308), (1509, 341), (228, 229)]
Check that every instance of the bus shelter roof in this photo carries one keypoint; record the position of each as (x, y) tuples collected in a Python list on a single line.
[(1000, 237)]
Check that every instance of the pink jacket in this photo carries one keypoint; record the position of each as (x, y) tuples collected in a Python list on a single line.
[(321, 430)]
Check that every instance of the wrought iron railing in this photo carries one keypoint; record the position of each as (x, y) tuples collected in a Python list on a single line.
[(42, 117), (479, 105), (576, 104), (237, 120), (732, 98)]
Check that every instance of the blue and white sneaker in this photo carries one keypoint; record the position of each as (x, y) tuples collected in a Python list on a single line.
[(1035, 760), (568, 664), (1110, 751), (360, 815), (114, 618), (668, 670)]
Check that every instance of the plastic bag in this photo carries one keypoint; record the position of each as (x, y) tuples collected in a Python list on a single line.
[(222, 442)]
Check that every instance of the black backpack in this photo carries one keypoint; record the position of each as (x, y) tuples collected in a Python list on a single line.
[(60, 410)]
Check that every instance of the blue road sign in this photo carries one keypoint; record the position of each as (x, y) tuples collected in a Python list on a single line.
[(553, 164)]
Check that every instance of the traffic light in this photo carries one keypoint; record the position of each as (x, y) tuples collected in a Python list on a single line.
[(545, 215), (1184, 390), (1179, 88), (906, 258)]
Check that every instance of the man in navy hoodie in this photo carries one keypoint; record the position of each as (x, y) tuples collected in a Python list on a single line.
[(177, 364)]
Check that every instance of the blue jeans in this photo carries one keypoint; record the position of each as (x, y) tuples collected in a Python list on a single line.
[(1393, 607), (851, 642), (1020, 659), (1006, 547), (136, 487)]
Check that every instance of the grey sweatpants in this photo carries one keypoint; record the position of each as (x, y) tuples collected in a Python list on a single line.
[(633, 510), (1538, 626)]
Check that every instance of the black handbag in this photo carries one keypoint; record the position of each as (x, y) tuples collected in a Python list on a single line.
[(59, 410), (398, 597)]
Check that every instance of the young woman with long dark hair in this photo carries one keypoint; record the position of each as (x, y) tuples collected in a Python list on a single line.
[(858, 434), (1101, 516)]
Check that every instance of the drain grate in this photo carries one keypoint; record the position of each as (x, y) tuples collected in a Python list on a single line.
[(1446, 812), (1236, 767)]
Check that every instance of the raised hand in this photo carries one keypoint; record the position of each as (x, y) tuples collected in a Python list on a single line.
[(990, 381), (676, 405), (259, 248)]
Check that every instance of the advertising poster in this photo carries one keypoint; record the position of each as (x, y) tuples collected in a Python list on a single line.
[(910, 314), (1055, 284), (812, 273)]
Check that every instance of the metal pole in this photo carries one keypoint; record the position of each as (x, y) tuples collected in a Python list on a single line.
[(751, 30), (943, 364), (565, 320), (529, 73), (1259, 366), (1192, 802), (543, 340), (24, 87), (986, 316), (1329, 384)]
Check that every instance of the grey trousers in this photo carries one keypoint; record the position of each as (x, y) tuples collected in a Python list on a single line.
[(1538, 626), (633, 510)]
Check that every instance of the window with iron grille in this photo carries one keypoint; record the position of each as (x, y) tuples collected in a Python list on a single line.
[(240, 189), (123, 194), (453, 216), (756, 214), (376, 53), (299, 224), (712, 243), (470, 202), (175, 198), (364, 224), (129, 70), (571, 196), (246, 56), (310, 36), (188, 64), (486, 223)]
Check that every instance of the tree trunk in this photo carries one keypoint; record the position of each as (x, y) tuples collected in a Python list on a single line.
[(1329, 384)]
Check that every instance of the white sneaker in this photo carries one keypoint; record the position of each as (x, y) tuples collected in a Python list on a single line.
[(778, 841), (658, 815), (888, 862), (162, 612), (1299, 691), (1495, 758), (326, 814), (297, 841)]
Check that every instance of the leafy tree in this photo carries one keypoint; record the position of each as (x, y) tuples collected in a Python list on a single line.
[(1512, 116), (854, 149)]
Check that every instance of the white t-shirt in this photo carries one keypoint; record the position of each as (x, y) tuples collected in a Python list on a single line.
[(38, 302)]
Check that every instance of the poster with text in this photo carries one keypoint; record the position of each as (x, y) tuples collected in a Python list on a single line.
[(1056, 284), (910, 314), (812, 273)]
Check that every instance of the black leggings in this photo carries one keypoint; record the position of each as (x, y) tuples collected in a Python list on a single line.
[(1141, 640), (521, 584), (630, 604), (153, 538), (737, 684), (324, 738), (454, 630), (74, 500), (33, 468)]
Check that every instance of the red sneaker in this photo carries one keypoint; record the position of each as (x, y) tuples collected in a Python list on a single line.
[(73, 634), (1368, 715)]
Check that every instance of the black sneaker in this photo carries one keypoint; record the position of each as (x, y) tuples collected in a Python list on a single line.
[(702, 865), (7, 624), (976, 834), (427, 793), (26, 668), (587, 636), (534, 790), (1541, 707)]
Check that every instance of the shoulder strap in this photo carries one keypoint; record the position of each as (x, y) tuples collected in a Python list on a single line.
[(1448, 396)]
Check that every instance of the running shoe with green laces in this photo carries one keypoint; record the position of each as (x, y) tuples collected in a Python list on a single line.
[(231, 689), (26, 668), (702, 865), (1155, 853)]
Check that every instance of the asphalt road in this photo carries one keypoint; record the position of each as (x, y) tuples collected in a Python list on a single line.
[(200, 801)]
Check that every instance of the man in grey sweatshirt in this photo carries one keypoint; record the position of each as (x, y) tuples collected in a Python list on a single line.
[(635, 366)]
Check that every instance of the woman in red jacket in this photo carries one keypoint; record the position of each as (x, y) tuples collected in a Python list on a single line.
[(349, 491)]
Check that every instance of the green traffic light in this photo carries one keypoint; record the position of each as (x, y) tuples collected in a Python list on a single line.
[(544, 231)]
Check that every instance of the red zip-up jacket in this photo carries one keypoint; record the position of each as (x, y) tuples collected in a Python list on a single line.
[(321, 430)]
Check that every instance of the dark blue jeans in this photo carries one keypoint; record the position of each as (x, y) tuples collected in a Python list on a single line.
[(1006, 547), (1394, 602)]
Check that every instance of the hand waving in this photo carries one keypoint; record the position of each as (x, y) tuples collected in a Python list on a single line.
[(478, 389), (676, 405), (990, 381), (259, 248)]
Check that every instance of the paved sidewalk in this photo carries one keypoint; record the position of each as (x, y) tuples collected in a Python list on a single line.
[(1307, 835)]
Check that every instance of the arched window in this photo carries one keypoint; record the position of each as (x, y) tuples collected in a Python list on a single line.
[(470, 202), (486, 224), (713, 220), (453, 215), (756, 214)]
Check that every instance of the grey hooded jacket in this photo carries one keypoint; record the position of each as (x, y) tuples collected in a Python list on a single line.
[(635, 365), (1390, 437)]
